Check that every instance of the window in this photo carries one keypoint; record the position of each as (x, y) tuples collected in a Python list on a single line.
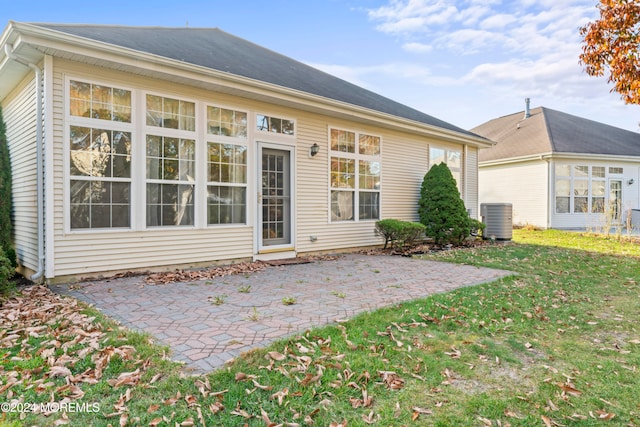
[(170, 180), (453, 160), (275, 125), (597, 189), (226, 166), (580, 189), (616, 171), (355, 176), (170, 158), (171, 113), (99, 102), (100, 141)]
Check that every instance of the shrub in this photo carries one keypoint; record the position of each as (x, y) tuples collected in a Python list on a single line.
[(6, 272), (441, 209), (399, 233), (5, 193), (477, 227)]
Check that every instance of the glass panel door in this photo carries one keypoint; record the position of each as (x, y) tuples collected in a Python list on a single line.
[(275, 212), (615, 200)]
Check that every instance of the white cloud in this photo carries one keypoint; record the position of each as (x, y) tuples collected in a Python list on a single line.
[(417, 47), (497, 22)]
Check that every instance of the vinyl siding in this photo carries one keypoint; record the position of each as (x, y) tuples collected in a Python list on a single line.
[(404, 163), (524, 185), (19, 112), (471, 181)]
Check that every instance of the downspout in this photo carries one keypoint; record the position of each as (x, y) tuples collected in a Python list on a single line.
[(39, 158)]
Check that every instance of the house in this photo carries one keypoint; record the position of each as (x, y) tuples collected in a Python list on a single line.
[(560, 171), (137, 148)]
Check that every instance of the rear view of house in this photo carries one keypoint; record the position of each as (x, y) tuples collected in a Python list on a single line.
[(561, 171), (138, 148)]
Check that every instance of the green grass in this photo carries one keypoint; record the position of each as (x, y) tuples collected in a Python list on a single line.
[(557, 342)]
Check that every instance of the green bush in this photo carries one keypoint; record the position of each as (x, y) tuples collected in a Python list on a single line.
[(399, 233), (5, 194), (6, 272), (441, 209), (477, 227)]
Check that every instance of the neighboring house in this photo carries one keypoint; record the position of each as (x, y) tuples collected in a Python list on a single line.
[(560, 171), (166, 147)]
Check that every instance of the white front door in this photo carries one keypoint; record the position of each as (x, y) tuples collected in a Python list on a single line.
[(275, 199)]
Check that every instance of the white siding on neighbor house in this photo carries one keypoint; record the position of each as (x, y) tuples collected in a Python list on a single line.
[(524, 185), (403, 165), (19, 112)]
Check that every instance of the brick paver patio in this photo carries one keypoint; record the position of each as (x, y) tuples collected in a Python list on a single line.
[(205, 335)]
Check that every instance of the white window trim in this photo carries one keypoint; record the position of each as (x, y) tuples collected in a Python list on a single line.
[(90, 122), (589, 178), (356, 190), (272, 135), (462, 169), (171, 133), (228, 140)]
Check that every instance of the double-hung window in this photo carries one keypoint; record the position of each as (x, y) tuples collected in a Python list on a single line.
[(170, 169), (100, 140), (355, 176), (453, 160), (226, 166)]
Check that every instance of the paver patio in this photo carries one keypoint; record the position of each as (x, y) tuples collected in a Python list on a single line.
[(205, 335)]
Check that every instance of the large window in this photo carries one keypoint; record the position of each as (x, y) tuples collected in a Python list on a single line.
[(226, 166), (355, 176), (99, 156), (453, 160), (170, 150), (580, 188)]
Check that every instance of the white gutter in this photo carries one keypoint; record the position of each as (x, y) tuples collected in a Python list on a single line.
[(39, 158)]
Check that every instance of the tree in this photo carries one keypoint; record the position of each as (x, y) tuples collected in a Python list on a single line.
[(6, 244), (611, 42), (441, 209)]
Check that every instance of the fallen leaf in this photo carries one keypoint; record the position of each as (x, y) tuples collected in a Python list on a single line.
[(274, 355)]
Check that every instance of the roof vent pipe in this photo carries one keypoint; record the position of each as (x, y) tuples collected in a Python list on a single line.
[(527, 111)]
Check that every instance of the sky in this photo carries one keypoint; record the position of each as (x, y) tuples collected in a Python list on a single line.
[(462, 61)]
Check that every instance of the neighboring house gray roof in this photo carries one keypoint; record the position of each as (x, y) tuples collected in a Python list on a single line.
[(221, 51), (549, 131)]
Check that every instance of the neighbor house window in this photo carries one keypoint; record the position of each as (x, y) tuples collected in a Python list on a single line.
[(100, 140), (170, 158), (355, 176), (226, 166), (580, 188), (453, 160)]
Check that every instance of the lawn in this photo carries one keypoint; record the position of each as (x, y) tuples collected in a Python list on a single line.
[(556, 344)]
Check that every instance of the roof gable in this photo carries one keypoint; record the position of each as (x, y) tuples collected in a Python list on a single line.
[(549, 131), (217, 50)]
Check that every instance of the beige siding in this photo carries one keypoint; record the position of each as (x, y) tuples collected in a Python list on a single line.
[(524, 185), (19, 111), (404, 163), (471, 181)]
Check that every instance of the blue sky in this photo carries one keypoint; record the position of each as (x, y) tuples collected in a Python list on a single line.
[(463, 61)]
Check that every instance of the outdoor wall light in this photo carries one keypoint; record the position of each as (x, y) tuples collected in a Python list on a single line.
[(314, 149), (630, 182)]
